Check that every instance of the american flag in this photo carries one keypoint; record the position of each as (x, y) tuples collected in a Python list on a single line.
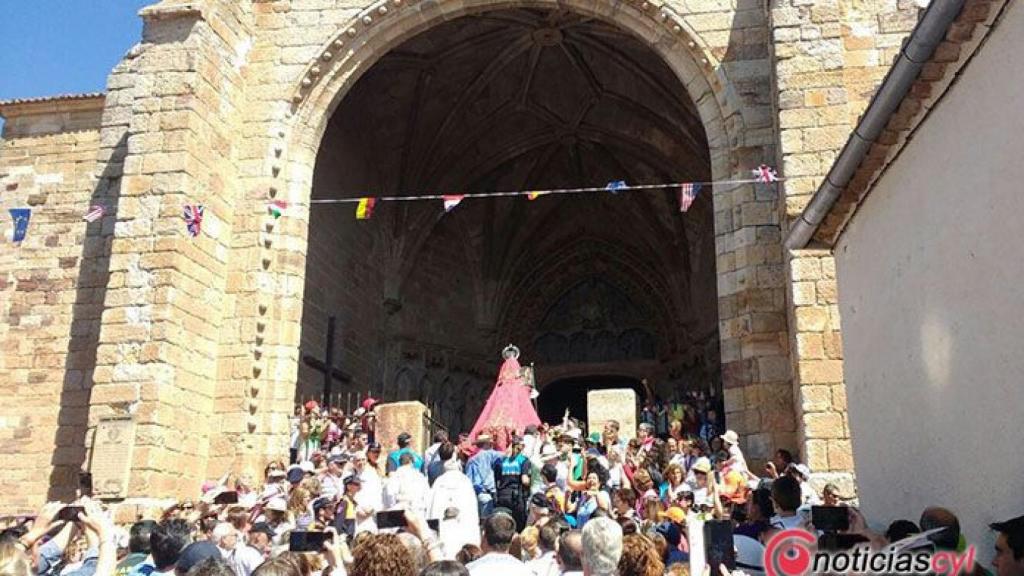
[(193, 218), (94, 213), (687, 194)]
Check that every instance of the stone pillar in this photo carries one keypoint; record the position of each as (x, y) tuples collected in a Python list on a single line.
[(398, 417), (605, 405), (818, 369), (830, 55), (157, 356)]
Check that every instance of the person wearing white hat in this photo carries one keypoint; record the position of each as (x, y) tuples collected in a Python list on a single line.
[(276, 515), (736, 460)]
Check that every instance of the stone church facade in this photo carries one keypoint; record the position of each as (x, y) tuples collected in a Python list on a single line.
[(231, 104)]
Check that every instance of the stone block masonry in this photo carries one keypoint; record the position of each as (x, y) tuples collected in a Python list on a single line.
[(223, 103), (51, 295)]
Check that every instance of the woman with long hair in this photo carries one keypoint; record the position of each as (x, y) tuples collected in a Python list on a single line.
[(674, 485)]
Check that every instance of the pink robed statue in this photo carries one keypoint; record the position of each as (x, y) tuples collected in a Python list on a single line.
[(509, 409)]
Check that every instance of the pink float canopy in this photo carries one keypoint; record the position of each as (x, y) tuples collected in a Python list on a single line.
[(508, 410)]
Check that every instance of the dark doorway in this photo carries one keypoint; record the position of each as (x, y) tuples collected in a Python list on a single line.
[(571, 393)]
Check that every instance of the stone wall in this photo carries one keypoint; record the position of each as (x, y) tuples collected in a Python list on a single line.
[(224, 103), (829, 58), (50, 296)]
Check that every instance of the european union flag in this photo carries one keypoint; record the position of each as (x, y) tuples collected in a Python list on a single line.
[(20, 216), (615, 186)]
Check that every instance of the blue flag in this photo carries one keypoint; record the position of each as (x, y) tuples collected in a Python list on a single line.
[(20, 216), (615, 186)]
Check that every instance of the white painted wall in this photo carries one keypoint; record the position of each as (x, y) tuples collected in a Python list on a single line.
[(931, 291)]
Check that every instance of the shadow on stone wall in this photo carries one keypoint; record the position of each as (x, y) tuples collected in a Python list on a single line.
[(71, 439)]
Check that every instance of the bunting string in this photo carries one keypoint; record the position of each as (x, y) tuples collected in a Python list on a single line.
[(193, 213), (614, 187)]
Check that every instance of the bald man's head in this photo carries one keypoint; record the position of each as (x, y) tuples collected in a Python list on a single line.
[(570, 551)]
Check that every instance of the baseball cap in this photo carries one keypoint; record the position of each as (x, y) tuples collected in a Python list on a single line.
[(262, 528), (295, 474), (353, 479), (307, 467), (338, 459), (594, 438), (404, 438), (540, 501), (675, 514), (195, 553)]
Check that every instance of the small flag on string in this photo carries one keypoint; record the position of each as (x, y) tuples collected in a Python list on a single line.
[(20, 216), (615, 186), (95, 213), (534, 195), (765, 173), (451, 201), (365, 208), (277, 208), (193, 215), (687, 194)]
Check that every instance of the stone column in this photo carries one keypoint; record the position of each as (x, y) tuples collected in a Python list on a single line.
[(157, 358), (830, 55), (818, 368)]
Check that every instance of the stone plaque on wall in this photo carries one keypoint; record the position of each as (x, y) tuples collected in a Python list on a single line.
[(111, 459), (615, 404)]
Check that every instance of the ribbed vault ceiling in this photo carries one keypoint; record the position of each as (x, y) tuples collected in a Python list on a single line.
[(525, 99)]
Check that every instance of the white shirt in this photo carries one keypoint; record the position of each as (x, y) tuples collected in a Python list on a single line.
[(406, 489), (455, 534), (331, 486), (497, 563), (739, 462), (243, 559), (787, 522), (546, 565), (369, 497)]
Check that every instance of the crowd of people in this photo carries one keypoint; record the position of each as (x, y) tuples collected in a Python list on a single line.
[(556, 500)]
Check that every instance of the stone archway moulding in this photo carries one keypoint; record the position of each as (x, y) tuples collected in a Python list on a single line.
[(385, 24)]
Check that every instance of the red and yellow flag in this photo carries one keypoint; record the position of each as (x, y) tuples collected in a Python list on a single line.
[(365, 208), (534, 195)]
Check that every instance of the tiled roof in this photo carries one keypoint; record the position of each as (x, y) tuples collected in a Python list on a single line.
[(57, 98)]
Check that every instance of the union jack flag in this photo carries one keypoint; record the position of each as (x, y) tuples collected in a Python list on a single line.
[(687, 194), (765, 173), (193, 218)]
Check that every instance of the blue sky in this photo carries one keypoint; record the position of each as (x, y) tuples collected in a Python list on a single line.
[(58, 46)]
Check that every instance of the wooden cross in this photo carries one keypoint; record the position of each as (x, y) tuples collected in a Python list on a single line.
[(327, 367)]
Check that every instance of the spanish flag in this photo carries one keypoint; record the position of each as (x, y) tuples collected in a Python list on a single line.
[(365, 208)]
